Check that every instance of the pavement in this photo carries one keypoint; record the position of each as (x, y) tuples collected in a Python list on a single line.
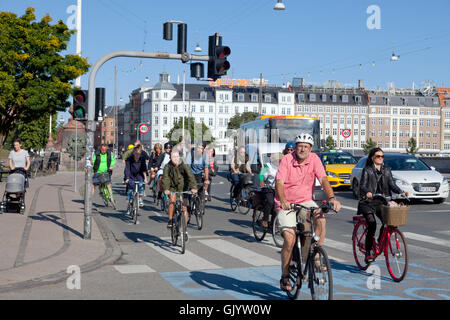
[(41, 246)]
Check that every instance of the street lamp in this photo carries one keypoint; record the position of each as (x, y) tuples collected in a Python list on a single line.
[(197, 48), (147, 79), (279, 6)]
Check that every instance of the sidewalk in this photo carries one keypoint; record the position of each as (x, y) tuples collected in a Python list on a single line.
[(37, 248)]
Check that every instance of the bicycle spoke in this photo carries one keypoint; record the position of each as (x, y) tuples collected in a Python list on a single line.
[(396, 254)]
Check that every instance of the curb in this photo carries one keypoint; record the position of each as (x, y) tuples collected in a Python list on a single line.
[(112, 254)]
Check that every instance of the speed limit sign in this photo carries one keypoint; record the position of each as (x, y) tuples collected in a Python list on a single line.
[(346, 133), (143, 128)]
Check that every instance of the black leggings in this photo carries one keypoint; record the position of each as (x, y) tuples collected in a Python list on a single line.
[(369, 208), (269, 195)]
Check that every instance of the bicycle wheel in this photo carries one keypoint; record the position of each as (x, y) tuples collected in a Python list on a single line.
[(174, 230), (396, 253), (295, 274), (111, 197), (104, 194), (135, 208), (320, 276), (233, 201), (198, 213), (243, 201), (359, 245), (276, 233), (259, 231), (182, 230)]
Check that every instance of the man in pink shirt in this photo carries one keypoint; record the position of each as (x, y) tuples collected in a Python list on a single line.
[(295, 182)]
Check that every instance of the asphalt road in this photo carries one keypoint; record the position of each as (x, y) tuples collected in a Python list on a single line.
[(223, 261)]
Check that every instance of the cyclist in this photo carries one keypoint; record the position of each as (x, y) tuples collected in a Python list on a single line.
[(375, 178), (240, 164), (166, 159), (135, 170), (295, 182), (199, 164), (104, 162), (177, 177), (213, 168), (127, 153), (267, 182), (156, 158), (288, 148)]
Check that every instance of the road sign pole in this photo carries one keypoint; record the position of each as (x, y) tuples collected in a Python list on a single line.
[(90, 124)]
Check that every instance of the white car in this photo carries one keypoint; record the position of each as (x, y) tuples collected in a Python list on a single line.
[(411, 175)]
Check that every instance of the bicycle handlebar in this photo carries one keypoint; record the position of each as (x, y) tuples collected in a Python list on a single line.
[(136, 181), (389, 198), (325, 207)]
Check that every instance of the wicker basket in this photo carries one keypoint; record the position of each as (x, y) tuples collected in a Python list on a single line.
[(395, 216)]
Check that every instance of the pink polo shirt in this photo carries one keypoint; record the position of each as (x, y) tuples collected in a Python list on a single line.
[(299, 180)]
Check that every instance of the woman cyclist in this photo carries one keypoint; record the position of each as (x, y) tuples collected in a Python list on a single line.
[(375, 178), (135, 171), (156, 158)]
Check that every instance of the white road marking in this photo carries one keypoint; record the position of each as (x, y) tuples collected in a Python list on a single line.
[(187, 260), (429, 239), (446, 232), (240, 253), (427, 252), (350, 208), (130, 269), (342, 246)]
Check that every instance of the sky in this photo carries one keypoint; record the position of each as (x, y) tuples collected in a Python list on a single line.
[(319, 40)]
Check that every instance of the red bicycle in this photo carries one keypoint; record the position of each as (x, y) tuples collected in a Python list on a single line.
[(392, 243)]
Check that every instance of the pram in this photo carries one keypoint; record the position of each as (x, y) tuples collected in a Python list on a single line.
[(14, 196)]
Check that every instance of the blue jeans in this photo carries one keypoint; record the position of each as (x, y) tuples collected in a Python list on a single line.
[(131, 191), (235, 179)]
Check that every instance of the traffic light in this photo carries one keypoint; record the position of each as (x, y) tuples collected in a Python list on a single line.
[(80, 104), (217, 64)]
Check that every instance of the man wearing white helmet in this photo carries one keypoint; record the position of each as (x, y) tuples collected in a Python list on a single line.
[(295, 183)]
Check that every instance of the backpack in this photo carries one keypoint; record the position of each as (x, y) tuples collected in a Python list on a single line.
[(97, 160)]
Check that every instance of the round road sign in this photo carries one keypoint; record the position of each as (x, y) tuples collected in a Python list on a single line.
[(346, 133), (143, 128)]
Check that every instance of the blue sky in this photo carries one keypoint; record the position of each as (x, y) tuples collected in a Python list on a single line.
[(320, 40)]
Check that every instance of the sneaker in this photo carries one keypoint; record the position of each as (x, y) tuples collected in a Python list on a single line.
[(170, 224), (369, 258), (128, 211), (141, 203), (186, 237)]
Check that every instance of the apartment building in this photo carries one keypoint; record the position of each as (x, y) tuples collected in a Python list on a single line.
[(444, 101), (397, 115)]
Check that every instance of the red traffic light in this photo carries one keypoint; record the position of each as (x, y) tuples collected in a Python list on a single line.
[(223, 52)]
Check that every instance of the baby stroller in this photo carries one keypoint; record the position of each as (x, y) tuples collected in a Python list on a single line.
[(14, 196)]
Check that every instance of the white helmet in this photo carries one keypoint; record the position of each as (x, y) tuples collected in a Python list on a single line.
[(304, 137)]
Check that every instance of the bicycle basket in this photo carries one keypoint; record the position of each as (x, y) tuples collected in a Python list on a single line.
[(103, 178), (246, 179), (395, 216)]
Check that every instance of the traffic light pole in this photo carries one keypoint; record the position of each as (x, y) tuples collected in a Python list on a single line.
[(90, 125)]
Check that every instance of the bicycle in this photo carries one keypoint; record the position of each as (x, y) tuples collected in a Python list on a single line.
[(179, 225), (392, 243), (196, 207), (316, 268), (105, 190), (135, 203), (242, 202), (259, 231)]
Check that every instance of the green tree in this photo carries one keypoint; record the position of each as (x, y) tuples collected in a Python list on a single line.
[(411, 147), (240, 118), (330, 144), (35, 78), (369, 145), (194, 131)]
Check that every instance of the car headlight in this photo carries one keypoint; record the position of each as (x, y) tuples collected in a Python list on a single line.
[(401, 182), (331, 174)]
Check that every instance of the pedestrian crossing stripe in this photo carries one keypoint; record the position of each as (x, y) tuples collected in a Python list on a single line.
[(429, 239), (130, 269)]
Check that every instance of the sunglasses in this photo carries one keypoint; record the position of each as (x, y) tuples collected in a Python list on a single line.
[(290, 149), (379, 157)]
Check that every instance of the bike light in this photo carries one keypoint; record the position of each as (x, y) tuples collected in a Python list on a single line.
[(316, 238)]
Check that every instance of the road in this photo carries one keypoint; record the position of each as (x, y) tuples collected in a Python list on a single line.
[(223, 261)]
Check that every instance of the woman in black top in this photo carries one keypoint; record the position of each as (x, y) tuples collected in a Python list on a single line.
[(375, 178), (156, 158)]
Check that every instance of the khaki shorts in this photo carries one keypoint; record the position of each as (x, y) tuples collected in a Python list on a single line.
[(287, 221)]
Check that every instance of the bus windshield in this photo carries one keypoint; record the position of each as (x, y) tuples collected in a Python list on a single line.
[(285, 130)]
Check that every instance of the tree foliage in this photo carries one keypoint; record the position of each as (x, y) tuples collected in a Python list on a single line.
[(411, 147), (35, 78), (369, 145), (194, 131), (330, 144), (240, 118)]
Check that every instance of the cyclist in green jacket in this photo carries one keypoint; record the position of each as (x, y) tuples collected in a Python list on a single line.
[(104, 162)]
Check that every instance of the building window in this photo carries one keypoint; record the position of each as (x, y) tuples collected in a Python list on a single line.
[(334, 131), (358, 99), (345, 98), (203, 95), (334, 98), (254, 98), (210, 121), (165, 121), (202, 109), (301, 97), (186, 95), (267, 98), (324, 98), (240, 97), (211, 109), (156, 133), (156, 120), (312, 97)]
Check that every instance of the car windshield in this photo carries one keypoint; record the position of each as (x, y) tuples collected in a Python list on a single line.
[(338, 158), (405, 164)]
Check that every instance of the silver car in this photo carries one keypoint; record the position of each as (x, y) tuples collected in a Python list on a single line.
[(411, 175)]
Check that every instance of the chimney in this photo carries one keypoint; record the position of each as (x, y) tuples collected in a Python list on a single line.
[(302, 82), (360, 84)]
